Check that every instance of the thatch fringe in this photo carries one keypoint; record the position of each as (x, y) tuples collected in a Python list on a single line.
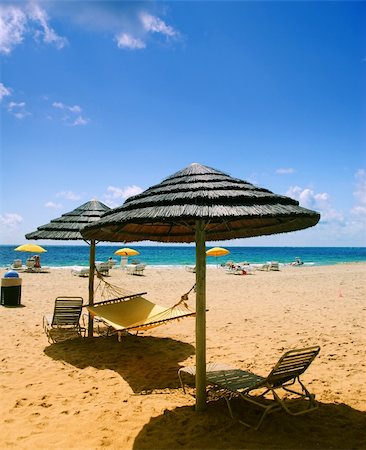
[(231, 208), (68, 226)]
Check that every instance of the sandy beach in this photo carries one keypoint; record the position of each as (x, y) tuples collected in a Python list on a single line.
[(101, 393)]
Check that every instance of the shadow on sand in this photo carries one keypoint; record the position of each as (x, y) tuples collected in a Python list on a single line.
[(146, 363), (332, 426)]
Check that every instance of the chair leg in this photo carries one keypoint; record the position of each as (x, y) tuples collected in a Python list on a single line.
[(181, 381), (305, 394), (267, 410)]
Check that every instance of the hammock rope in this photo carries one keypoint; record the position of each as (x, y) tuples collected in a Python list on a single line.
[(117, 293), (120, 295)]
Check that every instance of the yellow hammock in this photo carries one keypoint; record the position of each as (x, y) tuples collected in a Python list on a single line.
[(136, 313)]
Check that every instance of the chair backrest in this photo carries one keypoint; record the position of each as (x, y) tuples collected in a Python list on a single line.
[(102, 267), (292, 364), (30, 263), (67, 311), (274, 265)]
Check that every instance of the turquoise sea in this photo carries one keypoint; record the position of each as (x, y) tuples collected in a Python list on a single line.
[(180, 255)]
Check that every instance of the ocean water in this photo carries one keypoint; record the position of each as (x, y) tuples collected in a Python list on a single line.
[(180, 255)]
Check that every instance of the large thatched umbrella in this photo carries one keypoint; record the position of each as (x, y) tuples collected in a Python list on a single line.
[(197, 204), (68, 227)]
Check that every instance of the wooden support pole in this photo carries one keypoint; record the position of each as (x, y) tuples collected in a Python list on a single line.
[(91, 285), (200, 316)]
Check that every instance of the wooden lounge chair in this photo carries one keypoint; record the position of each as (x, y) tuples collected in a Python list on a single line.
[(285, 373), (65, 317)]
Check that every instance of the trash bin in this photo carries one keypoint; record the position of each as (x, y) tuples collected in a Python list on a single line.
[(11, 289)]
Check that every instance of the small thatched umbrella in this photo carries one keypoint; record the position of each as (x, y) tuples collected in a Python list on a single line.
[(68, 227), (197, 204)]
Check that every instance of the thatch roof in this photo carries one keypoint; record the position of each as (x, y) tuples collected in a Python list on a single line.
[(231, 208), (68, 226)]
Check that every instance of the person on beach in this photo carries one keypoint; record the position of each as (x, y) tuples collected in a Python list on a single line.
[(37, 262)]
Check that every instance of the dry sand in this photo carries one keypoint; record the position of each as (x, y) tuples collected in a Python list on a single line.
[(96, 393)]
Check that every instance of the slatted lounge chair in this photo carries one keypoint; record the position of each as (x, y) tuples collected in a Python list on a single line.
[(29, 264), (80, 272), (136, 269), (285, 373), (274, 265), (103, 268), (65, 317), (17, 264)]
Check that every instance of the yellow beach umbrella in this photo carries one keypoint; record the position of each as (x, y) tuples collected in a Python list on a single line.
[(126, 252), (217, 251), (33, 248)]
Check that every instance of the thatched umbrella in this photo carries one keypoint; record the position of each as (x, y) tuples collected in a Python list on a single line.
[(68, 227), (197, 204)]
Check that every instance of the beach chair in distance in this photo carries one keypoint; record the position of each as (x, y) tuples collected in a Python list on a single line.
[(17, 264), (284, 375), (136, 269), (274, 265), (65, 317), (102, 268), (264, 267), (80, 272)]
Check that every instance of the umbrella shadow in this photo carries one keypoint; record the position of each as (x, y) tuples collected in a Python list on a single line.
[(331, 426), (146, 363)]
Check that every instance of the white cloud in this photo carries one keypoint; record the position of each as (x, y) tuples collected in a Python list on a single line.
[(69, 195), (11, 220), (125, 40), (79, 121), (332, 215), (4, 91), (74, 109), (53, 205), (307, 197), (18, 110), (359, 210), (60, 105), (283, 171), (16, 22), (124, 193), (116, 196), (12, 27), (155, 25), (319, 202), (39, 15), (338, 226), (150, 24)]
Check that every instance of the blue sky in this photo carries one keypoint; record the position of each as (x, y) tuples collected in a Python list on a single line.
[(104, 99)]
